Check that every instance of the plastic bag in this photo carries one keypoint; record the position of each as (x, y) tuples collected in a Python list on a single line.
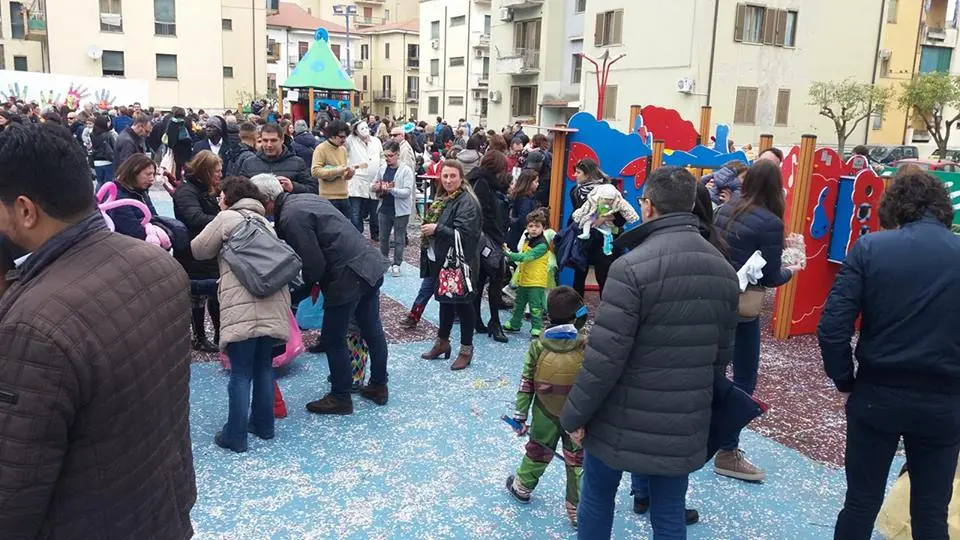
[(292, 349), (309, 314), (751, 271)]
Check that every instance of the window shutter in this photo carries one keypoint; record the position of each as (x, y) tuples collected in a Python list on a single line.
[(610, 103), (738, 107), (617, 27), (514, 100), (738, 22), (780, 36), (769, 25), (751, 106), (783, 107), (598, 31)]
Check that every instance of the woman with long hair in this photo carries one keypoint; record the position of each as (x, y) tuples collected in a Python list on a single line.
[(752, 221), (179, 140), (101, 152), (458, 212), (195, 203), (487, 185), (588, 176), (523, 200), (133, 180)]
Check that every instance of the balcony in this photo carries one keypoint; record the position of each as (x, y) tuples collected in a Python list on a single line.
[(36, 26), (519, 62), (273, 52), (413, 64), (483, 42), (384, 95), (357, 65), (521, 4), (413, 96), (481, 80), (369, 21), (941, 37)]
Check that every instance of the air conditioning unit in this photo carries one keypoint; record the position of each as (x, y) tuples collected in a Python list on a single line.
[(435, 43), (506, 14), (685, 85), (478, 53), (495, 96), (429, 79), (885, 54)]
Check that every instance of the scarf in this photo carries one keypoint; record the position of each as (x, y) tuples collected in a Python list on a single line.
[(436, 209)]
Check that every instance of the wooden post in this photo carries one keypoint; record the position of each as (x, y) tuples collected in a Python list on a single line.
[(634, 113), (766, 141), (310, 110), (787, 295), (280, 101), (656, 161), (558, 172), (705, 112)]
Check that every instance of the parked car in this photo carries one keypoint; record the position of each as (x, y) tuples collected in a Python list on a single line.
[(929, 164), (888, 154), (953, 154)]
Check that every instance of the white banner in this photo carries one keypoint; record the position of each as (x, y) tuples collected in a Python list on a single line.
[(75, 91)]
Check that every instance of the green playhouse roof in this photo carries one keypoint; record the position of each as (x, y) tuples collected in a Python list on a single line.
[(320, 69)]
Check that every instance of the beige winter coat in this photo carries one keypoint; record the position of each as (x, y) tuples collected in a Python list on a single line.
[(242, 315)]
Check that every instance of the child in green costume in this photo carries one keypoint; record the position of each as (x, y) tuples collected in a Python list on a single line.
[(534, 274), (552, 364)]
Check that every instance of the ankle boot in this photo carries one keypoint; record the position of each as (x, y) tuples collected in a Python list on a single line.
[(279, 406), (463, 358), (413, 318), (495, 331), (441, 347)]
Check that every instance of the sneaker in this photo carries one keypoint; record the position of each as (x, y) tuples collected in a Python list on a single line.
[(641, 505), (535, 333), (395, 271), (734, 464), (329, 404), (516, 489), (507, 328)]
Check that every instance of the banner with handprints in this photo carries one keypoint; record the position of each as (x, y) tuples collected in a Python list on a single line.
[(48, 89)]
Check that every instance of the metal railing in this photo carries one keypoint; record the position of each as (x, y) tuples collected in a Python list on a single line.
[(520, 61), (384, 95), (413, 63), (164, 28), (413, 95)]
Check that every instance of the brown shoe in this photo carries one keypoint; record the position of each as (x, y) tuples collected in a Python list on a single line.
[(441, 347), (734, 464), (376, 393), (329, 404), (409, 322), (464, 357)]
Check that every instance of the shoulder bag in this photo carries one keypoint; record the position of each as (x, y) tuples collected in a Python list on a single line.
[(262, 263)]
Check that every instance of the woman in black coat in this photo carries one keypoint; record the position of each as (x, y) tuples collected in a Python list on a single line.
[(101, 151), (488, 186), (588, 176), (195, 204), (461, 214)]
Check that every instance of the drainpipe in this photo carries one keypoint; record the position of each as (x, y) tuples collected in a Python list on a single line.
[(713, 50), (876, 62), (913, 69), (467, 91), (253, 22), (443, 58)]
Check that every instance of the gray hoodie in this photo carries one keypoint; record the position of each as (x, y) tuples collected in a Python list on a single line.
[(470, 159)]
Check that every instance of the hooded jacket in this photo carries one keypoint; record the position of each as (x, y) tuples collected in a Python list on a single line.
[(469, 159), (303, 145), (286, 164), (370, 153)]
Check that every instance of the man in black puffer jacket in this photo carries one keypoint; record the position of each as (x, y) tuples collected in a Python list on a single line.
[(274, 158), (642, 401)]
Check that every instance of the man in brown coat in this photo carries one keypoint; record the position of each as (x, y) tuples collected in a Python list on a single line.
[(94, 361)]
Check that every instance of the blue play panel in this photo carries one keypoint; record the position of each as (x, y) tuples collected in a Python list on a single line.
[(432, 463)]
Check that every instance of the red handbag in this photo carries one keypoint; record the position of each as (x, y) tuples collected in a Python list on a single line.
[(454, 278)]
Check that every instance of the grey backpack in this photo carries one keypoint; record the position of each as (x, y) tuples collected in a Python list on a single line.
[(262, 263)]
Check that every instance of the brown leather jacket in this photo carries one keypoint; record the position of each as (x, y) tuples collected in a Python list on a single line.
[(94, 374)]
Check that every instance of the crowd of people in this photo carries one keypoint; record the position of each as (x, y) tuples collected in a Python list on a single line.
[(97, 325)]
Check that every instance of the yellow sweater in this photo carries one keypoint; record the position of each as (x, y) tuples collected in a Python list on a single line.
[(328, 160)]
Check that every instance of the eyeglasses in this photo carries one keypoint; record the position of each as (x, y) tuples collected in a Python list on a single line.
[(389, 156)]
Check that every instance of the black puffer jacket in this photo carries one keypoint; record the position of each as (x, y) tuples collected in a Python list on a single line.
[(334, 254), (485, 184), (665, 326), (286, 164), (755, 229), (462, 215), (195, 207), (303, 146), (102, 147)]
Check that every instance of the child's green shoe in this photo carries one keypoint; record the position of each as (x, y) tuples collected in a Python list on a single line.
[(508, 328), (535, 333)]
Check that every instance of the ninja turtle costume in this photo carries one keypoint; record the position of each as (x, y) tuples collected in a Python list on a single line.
[(551, 366)]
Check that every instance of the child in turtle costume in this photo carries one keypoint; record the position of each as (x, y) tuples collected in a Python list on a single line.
[(551, 366)]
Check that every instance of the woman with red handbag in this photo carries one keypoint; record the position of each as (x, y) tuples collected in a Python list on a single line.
[(452, 252)]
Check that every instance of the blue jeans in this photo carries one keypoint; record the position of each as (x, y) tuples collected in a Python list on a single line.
[(343, 205), (104, 174), (336, 321), (746, 365), (598, 494), (427, 288), (251, 363), (362, 209)]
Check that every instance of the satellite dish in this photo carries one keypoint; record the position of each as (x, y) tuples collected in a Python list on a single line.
[(94, 52)]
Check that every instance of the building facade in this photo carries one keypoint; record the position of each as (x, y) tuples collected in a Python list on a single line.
[(16, 51), (196, 54), (369, 12), (455, 45), (388, 69), (290, 33)]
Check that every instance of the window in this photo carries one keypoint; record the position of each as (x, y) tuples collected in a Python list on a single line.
[(885, 66), (413, 51), (745, 109), (433, 105), (935, 59), (609, 28), (335, 49), (891, 14), (272, 83), (386, 111), (413, 88), (485, 69), (610, 103), (435, 30), (760, 25), (110, 16), (576, 68), (227, 72), (111, 63), (486, 25), (364, 52), (748, 26), (386, 51), (435, 67), (166, 66), (364, 87), (3, 58), (580, 6), (302, 48), (17, 30), (20, 63), (459, 20), (455, 100), (387, 86), (526, 38), (783, 108), (164, 18), (523, 101), (226, 24), (386, 15), (788, 20), (877, 121), (456, 61), (273, 51)]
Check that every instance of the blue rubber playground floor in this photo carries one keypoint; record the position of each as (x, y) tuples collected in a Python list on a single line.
[(432, 463)]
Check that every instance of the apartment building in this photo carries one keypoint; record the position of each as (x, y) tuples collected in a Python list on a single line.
[(537, 66), (291, 30), (369, 13), (455, 43), (197, 54), (388, 69)]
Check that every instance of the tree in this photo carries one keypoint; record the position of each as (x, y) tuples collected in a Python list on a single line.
[(929, 96), (848, 103)]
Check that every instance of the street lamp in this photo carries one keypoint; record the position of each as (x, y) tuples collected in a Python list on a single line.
[(346, 12), (602, 73)]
